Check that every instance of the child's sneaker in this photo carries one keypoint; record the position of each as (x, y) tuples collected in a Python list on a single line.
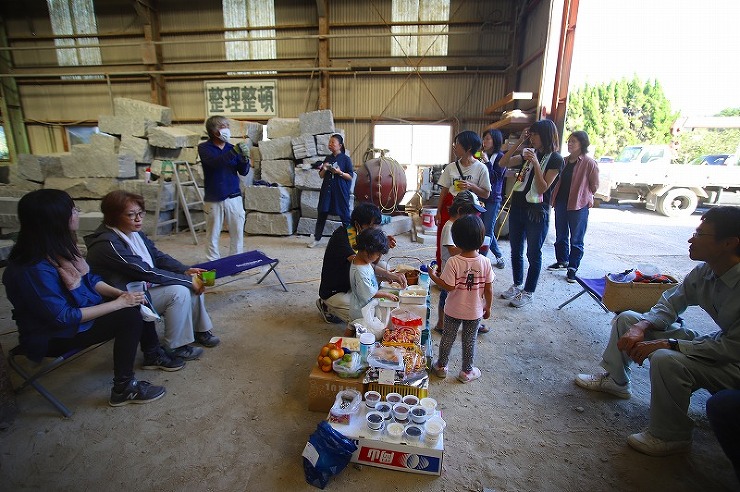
[(471, 375), (440, 372)]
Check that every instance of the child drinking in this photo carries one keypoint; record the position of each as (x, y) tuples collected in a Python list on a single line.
[(372, 243), (468, 277)]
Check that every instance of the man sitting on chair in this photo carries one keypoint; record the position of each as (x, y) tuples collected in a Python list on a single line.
[(681, 360)]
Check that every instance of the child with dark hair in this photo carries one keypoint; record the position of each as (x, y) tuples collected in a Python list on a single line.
[(372, 243), (468, 278)]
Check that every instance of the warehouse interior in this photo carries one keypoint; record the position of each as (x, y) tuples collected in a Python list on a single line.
[(237, 419)]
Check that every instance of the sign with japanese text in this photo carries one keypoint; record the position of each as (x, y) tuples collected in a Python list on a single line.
[(242, 98)]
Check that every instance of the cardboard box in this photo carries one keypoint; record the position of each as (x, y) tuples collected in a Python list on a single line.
[(373, 449), (324, 386)]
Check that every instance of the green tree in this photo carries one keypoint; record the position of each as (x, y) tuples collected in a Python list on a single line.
[(620, 113), (706, 141)]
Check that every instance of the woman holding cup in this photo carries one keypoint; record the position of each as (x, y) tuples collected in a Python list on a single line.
[(121, 253), (59, 305), (465, 173), (529, 212)]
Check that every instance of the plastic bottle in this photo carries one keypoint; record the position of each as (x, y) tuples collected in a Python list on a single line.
[(424, 276), (367, 340), (148, 175)]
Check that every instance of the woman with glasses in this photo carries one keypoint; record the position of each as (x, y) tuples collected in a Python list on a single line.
[(121, 253), (59, 305)]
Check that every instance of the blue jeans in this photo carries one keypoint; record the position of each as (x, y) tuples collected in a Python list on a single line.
[(489, 220), (573, 223), (521, 228)]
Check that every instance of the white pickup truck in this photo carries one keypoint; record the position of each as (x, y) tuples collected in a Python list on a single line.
[(643, 175)]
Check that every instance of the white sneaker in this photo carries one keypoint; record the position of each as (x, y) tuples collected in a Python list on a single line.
[(604, 383), (313, 244), (521, 299), (647, 443), (511, 292)]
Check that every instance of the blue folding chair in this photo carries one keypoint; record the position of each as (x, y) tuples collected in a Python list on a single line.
[(31, 378), (594, 287), (231, 265)]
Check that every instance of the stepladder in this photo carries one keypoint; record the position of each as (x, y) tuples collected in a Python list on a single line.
[(187, 197)]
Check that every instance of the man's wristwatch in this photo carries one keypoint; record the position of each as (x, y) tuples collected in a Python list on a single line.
[(673, 343)]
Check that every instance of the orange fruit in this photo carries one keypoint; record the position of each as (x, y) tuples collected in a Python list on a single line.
[(326, 361), (335, 354), (326, 368), (325, 350)]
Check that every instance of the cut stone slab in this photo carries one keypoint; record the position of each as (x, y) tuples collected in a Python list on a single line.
[(163, 230), (125, 125), (317, 122), (303, 146), (307, 179), (251, 129), (105, 142), (87, 161), (123, 106), (172, 137), (399, 224), (89, 188), (9, 221), (278, 148), (150, 191), (283, 127), (38, 167), (9, 205), (136, 147), (89, 222), (307, 226), (281, 172), (425, 239), (270, 199), (284, 224)]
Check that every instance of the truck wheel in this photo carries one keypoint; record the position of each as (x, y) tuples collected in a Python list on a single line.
[(678, 202)]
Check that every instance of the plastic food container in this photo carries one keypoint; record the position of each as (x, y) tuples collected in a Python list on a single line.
[(433, 429), (402, 317), (394, 431), (411, 400), (419, 414), (374, 420), (401, 412), (384, 408), (412, 433), (413, 296), (372, 398), (429, 403), (394, 398)]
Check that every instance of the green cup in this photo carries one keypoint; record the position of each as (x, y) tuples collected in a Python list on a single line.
[(208, 278)]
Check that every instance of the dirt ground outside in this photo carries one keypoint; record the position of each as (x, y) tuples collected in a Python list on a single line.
[(237, 420)]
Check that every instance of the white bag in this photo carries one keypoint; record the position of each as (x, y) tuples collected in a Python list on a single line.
[(370, 322)]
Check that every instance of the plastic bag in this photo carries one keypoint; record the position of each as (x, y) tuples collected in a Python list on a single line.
[(346, 404), (326, 454), (369, 322), (386, 358), (349, 366)]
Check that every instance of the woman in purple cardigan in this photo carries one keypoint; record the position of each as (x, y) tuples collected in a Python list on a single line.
[(571, 198)]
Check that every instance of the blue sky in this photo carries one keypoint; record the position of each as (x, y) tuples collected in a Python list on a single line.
[(691, 47)]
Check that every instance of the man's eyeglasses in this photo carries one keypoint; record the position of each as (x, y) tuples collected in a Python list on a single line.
[(136, 215), (697, 234), (76, 210)]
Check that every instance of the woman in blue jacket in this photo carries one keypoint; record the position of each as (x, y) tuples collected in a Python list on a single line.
[(58, 305), (336, 171)]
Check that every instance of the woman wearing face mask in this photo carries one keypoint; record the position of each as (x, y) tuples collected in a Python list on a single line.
[(223, 199)]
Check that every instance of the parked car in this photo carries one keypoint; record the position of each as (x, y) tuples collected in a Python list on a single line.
[(710, 160)]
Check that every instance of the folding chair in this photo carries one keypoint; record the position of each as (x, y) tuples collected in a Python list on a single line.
[(231, 265), (30, 378), (594, 287)]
